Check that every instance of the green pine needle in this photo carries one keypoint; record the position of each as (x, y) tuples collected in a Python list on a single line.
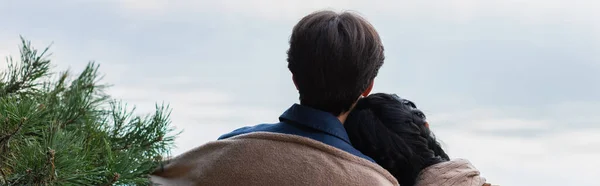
[(57, 131)]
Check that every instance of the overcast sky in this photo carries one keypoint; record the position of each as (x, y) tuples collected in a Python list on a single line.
[(512, 85)]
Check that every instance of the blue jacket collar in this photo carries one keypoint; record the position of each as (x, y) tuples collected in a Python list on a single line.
[(316, 119)]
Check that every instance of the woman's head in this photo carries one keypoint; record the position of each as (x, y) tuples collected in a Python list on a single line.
[(393, 132)]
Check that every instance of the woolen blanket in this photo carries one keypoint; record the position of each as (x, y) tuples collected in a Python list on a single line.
[(458, 172), (270, 159)]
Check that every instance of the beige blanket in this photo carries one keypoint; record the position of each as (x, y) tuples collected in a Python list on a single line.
[(270, 159), (457, 172)]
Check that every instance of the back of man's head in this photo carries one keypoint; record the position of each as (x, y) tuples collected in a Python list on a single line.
[(334, 58)]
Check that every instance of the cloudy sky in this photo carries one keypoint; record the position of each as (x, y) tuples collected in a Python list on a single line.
[(512, 85)]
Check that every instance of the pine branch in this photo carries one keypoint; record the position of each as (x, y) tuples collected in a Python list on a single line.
[(4, 139), (143, 145), (51, 157), (14, 87), (62, 133), (3, 176), (33, 66), (114, 179)]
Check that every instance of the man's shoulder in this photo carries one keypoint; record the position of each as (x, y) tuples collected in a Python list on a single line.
[(248, 129)]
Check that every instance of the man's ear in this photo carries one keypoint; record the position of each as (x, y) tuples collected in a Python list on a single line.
[(368, 90), (294, 80)]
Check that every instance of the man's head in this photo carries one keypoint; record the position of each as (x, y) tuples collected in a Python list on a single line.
[(334, 58)]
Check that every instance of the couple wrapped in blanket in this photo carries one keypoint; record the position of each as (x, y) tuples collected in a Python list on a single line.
[(339, 134)]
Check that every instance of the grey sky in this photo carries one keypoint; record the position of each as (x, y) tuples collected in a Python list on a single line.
[(512, 85)]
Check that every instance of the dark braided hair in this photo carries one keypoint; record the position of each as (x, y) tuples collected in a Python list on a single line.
[(393, 132)]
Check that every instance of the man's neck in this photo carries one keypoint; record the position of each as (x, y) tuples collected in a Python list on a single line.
[(343, 117)]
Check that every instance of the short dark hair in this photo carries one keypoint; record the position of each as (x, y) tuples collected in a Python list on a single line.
[(392, 131), (333, 57)]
